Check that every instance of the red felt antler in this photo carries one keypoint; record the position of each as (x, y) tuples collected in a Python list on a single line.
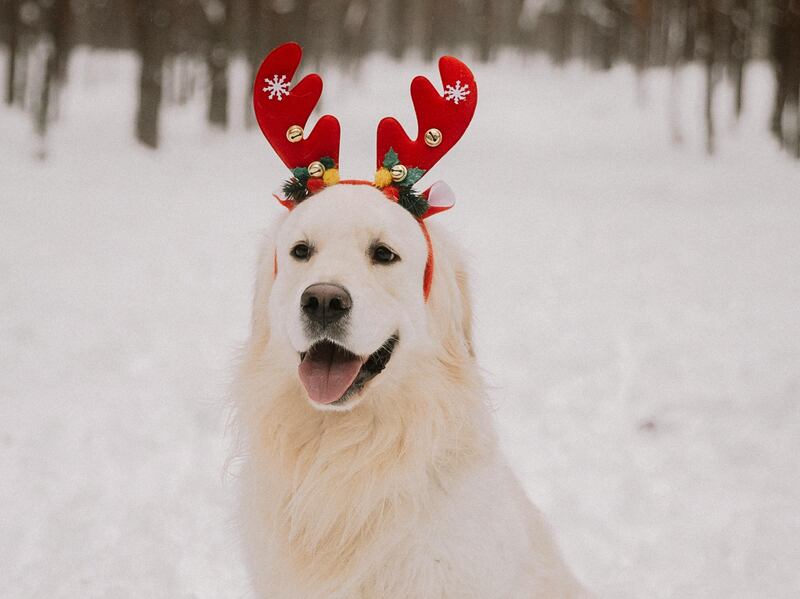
[(441, 119), (282, 112)]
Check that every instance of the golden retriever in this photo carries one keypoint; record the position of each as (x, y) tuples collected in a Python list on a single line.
[(371, 466)]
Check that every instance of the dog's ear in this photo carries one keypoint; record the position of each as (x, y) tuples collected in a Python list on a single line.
[(449, 300), (265, 275)]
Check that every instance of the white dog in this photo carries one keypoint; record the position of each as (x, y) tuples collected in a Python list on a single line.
[(370, 462)]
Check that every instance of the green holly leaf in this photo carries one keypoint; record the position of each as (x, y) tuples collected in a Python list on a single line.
[(295, 190), (391, 159), (413, 202), (414, 175)]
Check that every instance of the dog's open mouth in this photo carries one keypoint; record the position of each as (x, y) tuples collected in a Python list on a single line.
[(331, 374)]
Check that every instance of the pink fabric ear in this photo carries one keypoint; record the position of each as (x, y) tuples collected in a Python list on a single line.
[(440, 198)]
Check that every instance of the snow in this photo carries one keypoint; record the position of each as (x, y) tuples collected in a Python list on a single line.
[(636, 305)]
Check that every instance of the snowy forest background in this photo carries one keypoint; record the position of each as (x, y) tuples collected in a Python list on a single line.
[(628, 203), (185, 46)]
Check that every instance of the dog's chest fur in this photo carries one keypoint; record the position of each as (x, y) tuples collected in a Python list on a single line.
[(410, 502)]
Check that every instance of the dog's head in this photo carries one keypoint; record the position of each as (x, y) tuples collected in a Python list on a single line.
[(345, 305), (341, 304)]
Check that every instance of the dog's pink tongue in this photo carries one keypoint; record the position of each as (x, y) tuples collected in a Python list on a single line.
[(327, 372)]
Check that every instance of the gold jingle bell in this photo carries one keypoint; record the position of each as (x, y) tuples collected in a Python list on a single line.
[(316, 169), (433, 137), (294, 133), (399, 172)]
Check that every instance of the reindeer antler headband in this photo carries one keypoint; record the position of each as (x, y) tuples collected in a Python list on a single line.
[(283, 111)]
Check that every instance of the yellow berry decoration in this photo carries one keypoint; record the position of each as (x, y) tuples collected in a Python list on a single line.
[(331, 176), (383, 177)]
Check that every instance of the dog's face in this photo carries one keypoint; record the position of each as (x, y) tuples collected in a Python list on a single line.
[(347, 300)]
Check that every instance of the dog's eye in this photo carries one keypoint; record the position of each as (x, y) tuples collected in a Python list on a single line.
[(383, 255), (301, 251)]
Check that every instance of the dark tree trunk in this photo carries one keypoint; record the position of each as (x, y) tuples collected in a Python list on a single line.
[(485, 39), (797, 128), (61, 30), (398, 21), (740, 50), (59, 27), (54, 29), (218, 101), (676, 49), (642, 19), (565, 24), (21, 79), (708, 47), (217, 15), (12, 17), (690, 24), (609, 36), (353, 32), (786, 58), (427, 12), (509, 31), (709, 105), (779, 51), (45, 93), (151, 28), (150, 91), (255, 46)]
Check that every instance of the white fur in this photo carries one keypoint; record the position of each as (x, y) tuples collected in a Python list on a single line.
[(401, 493)]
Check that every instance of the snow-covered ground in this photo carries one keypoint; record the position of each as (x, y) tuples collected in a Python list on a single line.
[(638, 318)]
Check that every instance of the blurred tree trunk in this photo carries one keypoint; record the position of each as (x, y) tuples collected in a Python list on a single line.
[(21, 79), (45, 91), (429, 26), (60, 32), (12, 18), (610, 35), (786, 60), (396, 26), (353, 35), (485, 33), (61, 28), (793, 74), (506, 29), (642, 24), (741, 20), (657, 33), (690, 23), (217, 14), (565, 24), (707, 48), (676, 48), (53, 40), (151, 20), (642, 18), (255, 44)]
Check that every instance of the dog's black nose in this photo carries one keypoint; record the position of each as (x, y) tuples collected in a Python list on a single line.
[(325, 303)]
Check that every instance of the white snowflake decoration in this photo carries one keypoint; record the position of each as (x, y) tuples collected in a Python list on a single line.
[(276, 87), (456, 93)]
